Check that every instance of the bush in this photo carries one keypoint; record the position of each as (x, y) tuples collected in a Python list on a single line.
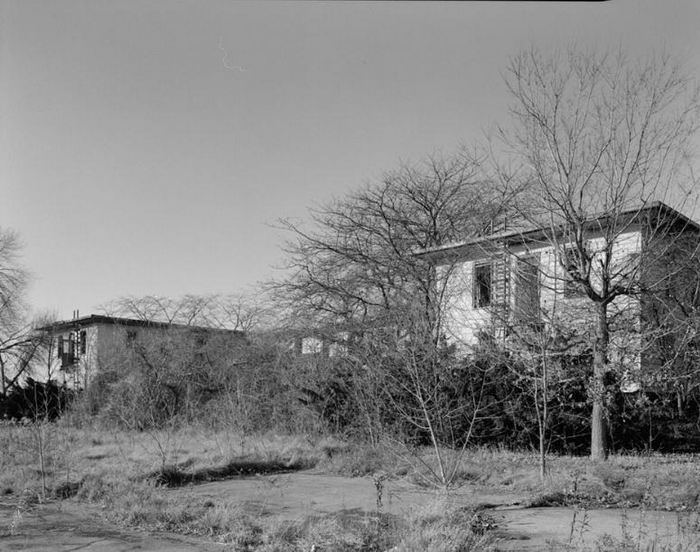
[(36, 401)]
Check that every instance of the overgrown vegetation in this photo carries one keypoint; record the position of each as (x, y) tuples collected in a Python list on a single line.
[(120, 471), (362, 347), (36, 401)]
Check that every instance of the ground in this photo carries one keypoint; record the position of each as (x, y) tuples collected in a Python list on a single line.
[(194, 488), (71, 525)]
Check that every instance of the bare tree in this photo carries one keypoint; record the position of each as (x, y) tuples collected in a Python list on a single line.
[(241, 312), (355, 272), (215, 355), (356, 263), (18, 340), (598, 138)]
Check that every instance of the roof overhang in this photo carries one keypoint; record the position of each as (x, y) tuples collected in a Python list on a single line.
[(655, 213), (99, 319)]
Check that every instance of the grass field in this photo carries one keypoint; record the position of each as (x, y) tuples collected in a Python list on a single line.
[(128, 473)]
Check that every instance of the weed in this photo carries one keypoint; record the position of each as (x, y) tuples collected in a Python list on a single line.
[(356, 461), (124, 472), (442, 529), (378, 480)]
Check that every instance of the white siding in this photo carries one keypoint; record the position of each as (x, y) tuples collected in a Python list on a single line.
[(463, 322)]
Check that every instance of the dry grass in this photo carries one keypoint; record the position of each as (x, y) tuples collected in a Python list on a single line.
[(127, 473), (665, 482), (639, 535), (52, 460), (440, 527)]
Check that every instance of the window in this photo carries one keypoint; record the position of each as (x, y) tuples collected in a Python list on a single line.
[(66, 349), (83, 342), (481, 290), (311, 345), (527, 289)]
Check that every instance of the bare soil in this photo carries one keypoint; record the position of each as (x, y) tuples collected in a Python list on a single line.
[(68, 525), (529, 529), (303, 494)]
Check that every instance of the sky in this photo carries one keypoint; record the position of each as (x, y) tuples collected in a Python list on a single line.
[(149, 147)]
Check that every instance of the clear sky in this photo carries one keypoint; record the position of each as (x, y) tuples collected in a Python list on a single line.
[(146, 146)]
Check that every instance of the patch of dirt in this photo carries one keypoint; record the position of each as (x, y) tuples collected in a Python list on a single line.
[(562, 528), (67, 526), (302, 494)]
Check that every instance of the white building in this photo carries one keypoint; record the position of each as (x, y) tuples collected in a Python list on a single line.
[(520, 281), (80, 345)]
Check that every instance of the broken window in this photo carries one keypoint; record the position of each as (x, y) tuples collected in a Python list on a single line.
[(482, 286), (527, 289), (66, 349)]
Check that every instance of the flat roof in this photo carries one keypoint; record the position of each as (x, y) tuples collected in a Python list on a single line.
[(94, 319), (543, 233)]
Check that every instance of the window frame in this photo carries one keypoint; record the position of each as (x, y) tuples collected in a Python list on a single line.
[(530, 285), (481, 300)]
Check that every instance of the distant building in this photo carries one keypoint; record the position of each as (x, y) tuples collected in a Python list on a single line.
[(79, 345)]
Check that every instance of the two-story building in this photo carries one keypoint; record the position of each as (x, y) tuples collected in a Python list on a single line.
[(81, 344), (525, 281)]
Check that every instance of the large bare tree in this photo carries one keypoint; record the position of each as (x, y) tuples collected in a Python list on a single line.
[(598, 138), (19, 342), (356, 262), (354, 272)]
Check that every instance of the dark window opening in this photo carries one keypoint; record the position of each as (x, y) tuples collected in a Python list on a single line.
[(527, 289), (481, 293), (66, 350), (83, 342)]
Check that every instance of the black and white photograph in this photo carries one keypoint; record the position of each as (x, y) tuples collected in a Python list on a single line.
[(349, 276)]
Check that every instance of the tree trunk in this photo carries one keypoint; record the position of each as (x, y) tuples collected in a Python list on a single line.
[(599, 445), (3, 390), (545, 421)]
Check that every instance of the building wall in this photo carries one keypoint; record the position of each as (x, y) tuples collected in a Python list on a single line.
[(463, 321), (103, 342)]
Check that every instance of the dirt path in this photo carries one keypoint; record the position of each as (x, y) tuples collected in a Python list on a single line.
[(299, 495), (66, 526), (552, 528)]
